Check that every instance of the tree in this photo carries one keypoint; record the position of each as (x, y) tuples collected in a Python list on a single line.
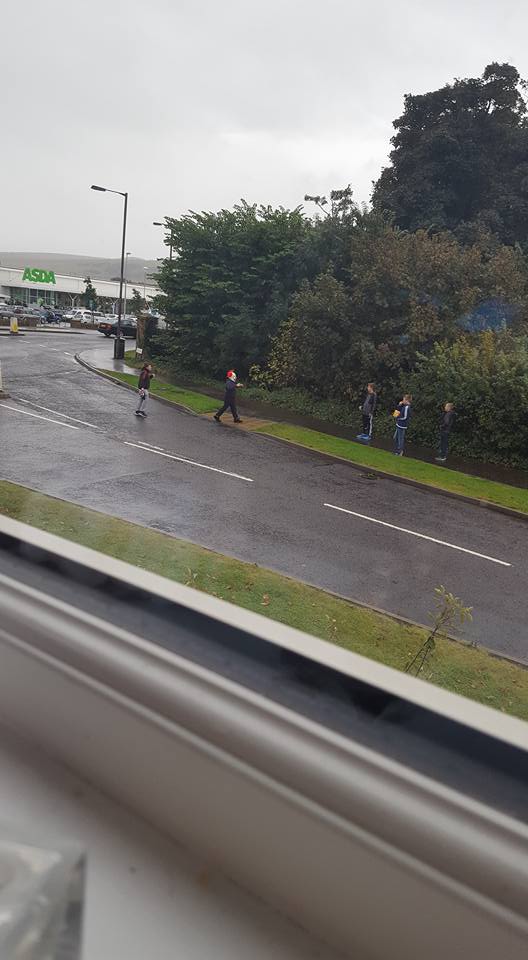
[(137, 304), (89, 296), (449, 611), (403, 293), (316, 348), (460, 157), (230, 283)]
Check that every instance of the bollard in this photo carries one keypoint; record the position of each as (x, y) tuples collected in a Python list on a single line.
[(13, 325), (3, 394)]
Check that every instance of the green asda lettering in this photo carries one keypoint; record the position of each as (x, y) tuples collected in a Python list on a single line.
[(38, 276)]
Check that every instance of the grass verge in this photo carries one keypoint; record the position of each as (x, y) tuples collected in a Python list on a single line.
[(439, 477), (187, 398), (464, 670)]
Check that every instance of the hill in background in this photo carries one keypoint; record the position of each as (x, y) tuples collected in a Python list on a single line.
[(70, 264)]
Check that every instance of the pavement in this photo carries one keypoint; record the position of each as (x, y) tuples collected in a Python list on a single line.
[(71, 434)]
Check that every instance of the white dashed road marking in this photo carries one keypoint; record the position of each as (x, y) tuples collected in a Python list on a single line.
[(192, 463), (422, 536), (56, 412), (38, 416)]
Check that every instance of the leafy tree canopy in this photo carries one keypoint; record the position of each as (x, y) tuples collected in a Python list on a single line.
[(230, 282), (460, 159)]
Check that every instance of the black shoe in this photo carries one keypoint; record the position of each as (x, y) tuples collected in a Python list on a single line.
[(141, 414), (238, 420), (217, 418), (138, 413)]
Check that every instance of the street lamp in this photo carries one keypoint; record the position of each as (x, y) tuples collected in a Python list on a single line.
[(127, 254), (156, 223), (119, 345)]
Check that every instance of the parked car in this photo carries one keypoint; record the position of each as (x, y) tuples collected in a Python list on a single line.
[(128, 327), (86, 316), (50, 316)]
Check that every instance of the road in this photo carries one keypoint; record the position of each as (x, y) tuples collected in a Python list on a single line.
[(68, 433)]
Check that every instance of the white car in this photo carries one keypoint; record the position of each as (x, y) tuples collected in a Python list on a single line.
[(86, 316)]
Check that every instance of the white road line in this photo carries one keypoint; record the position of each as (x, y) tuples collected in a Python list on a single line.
[(422, 536), (56, 412), (149, 446), (38, 416), (193, 463)]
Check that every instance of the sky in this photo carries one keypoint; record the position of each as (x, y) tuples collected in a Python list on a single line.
[(194, 104)]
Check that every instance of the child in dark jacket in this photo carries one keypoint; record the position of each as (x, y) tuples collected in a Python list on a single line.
[(402, 416), (231, 386), (368, 409), (446, 425)]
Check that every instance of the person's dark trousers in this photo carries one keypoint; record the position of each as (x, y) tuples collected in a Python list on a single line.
[(444, 443), (367, 425), (399, 439), (229, 404)]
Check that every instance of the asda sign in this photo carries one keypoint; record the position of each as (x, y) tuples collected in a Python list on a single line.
[(38, 276)]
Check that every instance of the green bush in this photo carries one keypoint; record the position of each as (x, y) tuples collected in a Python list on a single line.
[(486, 377)]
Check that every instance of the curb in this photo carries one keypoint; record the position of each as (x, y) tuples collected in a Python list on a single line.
[(364, 468), (128, 386), (405, 621), (61, 330), (429, 488)]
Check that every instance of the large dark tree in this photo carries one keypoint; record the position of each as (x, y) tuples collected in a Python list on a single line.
[(460, 159)]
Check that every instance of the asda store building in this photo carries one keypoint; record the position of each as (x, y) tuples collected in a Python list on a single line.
[(32, 286)]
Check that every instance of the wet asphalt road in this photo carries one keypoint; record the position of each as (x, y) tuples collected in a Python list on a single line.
[(272, 513)]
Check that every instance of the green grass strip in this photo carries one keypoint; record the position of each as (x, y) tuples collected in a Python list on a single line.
[(468, 671), (197, 402), (440, 477)]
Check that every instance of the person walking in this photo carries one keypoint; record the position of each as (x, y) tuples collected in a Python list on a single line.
[(143, 389), (402, 416), (368, 409), (446, 425), (231, 386)]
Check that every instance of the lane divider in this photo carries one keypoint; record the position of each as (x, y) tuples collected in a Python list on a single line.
[(150, 446), (56, 412), (422, 536), (38, 416), (192, 463)]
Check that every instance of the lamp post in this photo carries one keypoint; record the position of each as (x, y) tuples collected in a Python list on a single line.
[(157, 223), (145, 288), (119, 345), (127, 254)]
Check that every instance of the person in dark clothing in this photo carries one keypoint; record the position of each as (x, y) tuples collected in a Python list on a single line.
[(368, 409), (231, 386), (143, 389), (446, 425), (402, 416)]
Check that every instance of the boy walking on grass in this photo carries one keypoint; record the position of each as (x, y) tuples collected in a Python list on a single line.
[(402, 416), (446, 425), (368, 409)]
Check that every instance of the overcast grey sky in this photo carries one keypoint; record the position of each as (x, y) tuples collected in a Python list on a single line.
[(196, 103)]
